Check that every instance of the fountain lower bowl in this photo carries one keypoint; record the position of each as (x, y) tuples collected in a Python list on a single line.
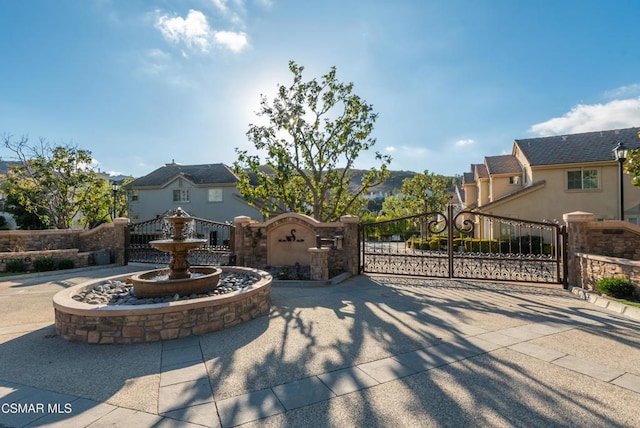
[(147, 284), (106, 324)]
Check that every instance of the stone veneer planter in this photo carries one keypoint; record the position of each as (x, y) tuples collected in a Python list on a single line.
[(105, 324)]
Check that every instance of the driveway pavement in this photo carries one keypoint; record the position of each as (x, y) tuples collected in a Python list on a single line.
[(371, 351)]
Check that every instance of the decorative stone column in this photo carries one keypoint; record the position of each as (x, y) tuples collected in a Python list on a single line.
[(350, 243), (241, 223), (319, 264), (577, 224), (120, 224)]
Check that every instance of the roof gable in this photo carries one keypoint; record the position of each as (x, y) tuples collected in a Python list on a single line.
[(217, 173), (577, 148), (504, 164)]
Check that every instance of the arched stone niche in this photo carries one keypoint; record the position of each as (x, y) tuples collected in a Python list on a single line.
[(289, 237)]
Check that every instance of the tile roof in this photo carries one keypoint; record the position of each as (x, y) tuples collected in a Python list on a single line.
[(504, 164), (468, 178), (216, 173), (481, 170), (577, 148)]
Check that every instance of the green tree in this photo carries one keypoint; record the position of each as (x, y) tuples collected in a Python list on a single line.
[(24, 219), (396, 206), (53, 182), (632, 166), (316, 130), (426, 192)]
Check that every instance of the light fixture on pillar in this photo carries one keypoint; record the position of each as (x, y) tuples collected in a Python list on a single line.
[(620, 152), (114, 190)]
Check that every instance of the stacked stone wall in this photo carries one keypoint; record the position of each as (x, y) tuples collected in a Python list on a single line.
[(251, 241), (76, 245), (37, 240), (162, 322), (597, 249)]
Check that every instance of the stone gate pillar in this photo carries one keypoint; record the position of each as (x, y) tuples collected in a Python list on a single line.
[(241, 223), (577, 224), (120, 224), (319, 264), (350, 243)]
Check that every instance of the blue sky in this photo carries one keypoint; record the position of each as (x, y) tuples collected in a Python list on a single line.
[(142, 83)]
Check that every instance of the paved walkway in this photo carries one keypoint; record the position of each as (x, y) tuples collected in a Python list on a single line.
[(371, 351)]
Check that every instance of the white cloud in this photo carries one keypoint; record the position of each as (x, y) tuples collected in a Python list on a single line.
[(231, 40), (624, 91), (390, 149), (464, 142), (592, 117), (221, 5), (194, 30)]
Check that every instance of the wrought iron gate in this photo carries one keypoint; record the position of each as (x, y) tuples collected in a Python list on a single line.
[(465, 244), (217, 250)]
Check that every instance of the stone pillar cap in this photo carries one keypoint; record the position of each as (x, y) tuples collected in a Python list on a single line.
[(319, 250), (578, 217), (350, 219)]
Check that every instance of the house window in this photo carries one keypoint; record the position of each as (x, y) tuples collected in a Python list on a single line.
[(514, 179), (583, 179), (134, 195), (181, 195), (215, 195)]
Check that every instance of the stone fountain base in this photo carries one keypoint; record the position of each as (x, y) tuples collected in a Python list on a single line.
[(81, 322), (203, 280)]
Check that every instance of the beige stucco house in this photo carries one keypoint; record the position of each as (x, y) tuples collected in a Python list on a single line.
[(543, 178)]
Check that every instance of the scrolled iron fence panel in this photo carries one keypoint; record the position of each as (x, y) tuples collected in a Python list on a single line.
[(398, 246), (217, 249), (465, 244)]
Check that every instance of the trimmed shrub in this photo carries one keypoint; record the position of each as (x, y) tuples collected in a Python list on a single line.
[(620, 288), (44, 264), (66, 264), (15, 265)]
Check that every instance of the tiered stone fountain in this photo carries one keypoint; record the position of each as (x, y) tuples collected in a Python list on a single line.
[(184, 315), (180, 278)]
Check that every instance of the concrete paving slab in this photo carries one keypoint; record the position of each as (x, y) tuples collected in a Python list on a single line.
[(423, 359), (184, 394), (175, 356), (248, 407), (468, 329), (184, 342), (12, 392), (302, 393), (386, 369), (126, 418), (539, 352), (15, 414), (588, 368), (498, 338), (183, 372), (628, 381), (201, 414), (83, 413), (546, 328), (477, 345), (522, 332), (347, 380)]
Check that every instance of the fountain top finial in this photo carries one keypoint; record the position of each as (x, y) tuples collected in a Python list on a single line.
[(180, 213)]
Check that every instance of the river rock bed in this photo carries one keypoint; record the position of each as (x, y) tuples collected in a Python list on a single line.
[(117, 293)]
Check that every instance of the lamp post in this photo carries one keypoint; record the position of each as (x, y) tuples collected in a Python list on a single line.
[(114, 190), (620, 152)]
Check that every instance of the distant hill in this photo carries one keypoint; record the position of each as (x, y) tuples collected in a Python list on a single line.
[(394, 182)]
